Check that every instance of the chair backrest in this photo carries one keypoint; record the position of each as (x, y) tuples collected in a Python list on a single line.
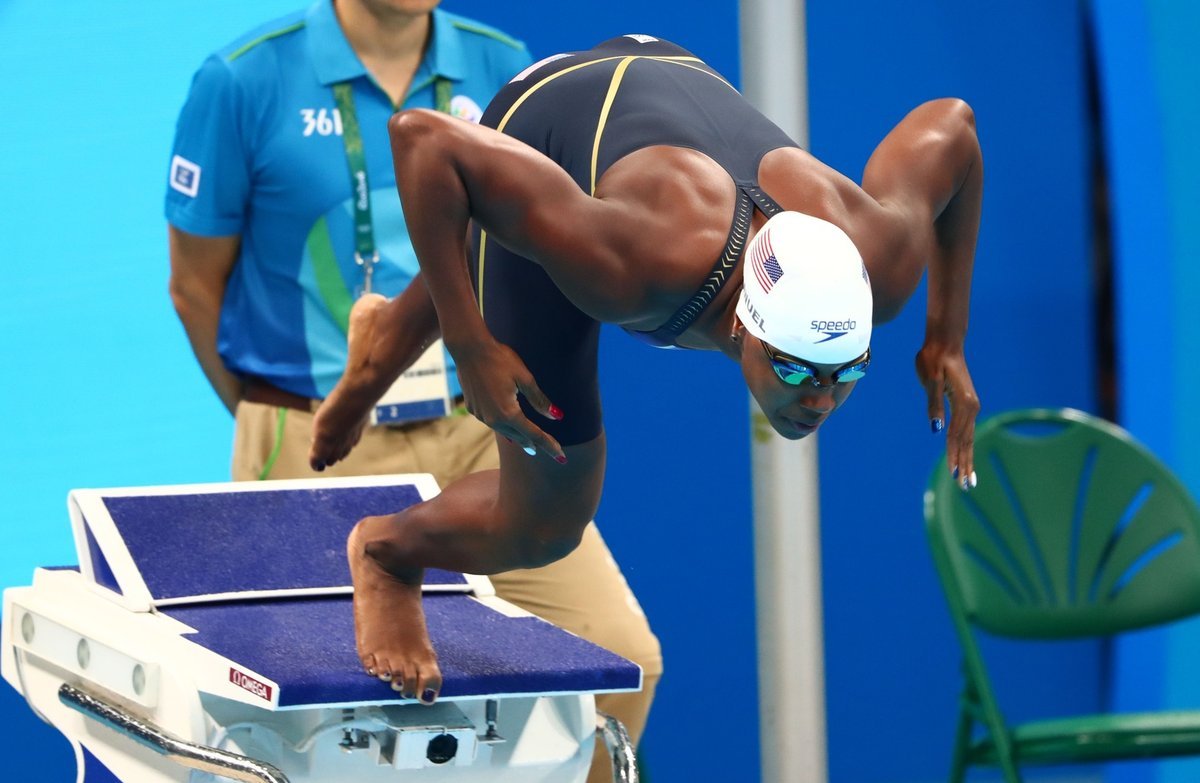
[(1075, 529)]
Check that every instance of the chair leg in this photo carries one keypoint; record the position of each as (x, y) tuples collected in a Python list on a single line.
[(1011, 773), (980, 701), (1007, 758), (962, 742)]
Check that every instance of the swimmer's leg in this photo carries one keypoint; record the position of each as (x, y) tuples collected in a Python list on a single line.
[(529, 513), (340, 420), (387, 597), (384, 339)]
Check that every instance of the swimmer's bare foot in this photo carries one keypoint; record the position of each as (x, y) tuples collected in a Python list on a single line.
[(389, 623), (340, 420)]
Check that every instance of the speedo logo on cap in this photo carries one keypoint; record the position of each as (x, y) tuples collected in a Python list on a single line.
[(832, 329)]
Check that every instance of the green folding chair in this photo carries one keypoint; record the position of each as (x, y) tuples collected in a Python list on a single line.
[(1075, 530)]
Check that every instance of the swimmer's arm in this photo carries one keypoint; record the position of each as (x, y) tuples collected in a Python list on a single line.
[(927, 176), (449, 172), (385, 338), (200, 269), (437, 213)]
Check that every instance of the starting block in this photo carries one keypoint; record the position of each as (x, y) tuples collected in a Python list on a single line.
[(208, 634)]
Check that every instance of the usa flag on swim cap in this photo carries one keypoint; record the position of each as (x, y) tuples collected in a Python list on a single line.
[(763, 261)]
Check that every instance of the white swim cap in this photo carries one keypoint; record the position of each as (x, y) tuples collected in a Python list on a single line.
[(805, 290)]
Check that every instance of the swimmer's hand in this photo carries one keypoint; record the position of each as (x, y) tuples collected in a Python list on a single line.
[(492, 375), (943, 372)]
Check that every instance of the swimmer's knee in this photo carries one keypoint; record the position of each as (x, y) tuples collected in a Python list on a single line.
[(378, 538), (369, 529)]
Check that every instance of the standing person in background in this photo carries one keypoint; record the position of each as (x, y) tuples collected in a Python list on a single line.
[(282, 212)]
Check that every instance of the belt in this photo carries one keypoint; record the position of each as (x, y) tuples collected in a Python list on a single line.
[(264, 393)]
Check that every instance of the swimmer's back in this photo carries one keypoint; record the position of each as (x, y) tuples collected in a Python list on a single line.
[(587, 110)]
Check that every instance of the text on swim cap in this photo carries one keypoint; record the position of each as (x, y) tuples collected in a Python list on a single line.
[(834, 326), (754, 316)]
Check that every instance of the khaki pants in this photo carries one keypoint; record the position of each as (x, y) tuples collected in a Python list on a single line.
[(584, 592)]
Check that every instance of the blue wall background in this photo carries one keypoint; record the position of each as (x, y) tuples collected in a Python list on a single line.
[(1149, 67), (101, 389)]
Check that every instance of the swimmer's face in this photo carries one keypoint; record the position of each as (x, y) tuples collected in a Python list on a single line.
[(793, 411)]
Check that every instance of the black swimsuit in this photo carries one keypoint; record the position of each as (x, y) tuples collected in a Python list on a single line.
[(585, 111)]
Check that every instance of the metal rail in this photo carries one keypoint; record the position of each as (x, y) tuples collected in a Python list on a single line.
[(620, 748), (187, 754), (248, 770)]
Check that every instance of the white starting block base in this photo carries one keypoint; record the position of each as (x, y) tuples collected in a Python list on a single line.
[(267, 671)]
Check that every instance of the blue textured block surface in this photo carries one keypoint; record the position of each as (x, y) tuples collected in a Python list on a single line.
[(101, 570), (306, 645), (231, 542)]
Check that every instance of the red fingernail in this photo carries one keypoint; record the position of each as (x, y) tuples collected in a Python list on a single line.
[(555, 413), (561, 460)]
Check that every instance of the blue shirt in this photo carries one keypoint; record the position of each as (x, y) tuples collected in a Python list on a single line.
[(258, 153)]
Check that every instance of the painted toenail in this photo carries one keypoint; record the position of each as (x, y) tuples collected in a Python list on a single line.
[(428, 696)]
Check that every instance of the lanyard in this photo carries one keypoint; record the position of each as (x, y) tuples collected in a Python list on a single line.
[(366, 254)]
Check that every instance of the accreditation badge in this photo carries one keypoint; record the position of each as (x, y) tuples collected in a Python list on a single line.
[(421, 393)]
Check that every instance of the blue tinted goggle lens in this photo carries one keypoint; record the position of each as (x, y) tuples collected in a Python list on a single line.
[(794, 372)]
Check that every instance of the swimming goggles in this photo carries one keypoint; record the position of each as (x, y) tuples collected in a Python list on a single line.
[(794, 372)]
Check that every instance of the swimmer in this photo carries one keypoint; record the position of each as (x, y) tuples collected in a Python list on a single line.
[(631, 184)]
